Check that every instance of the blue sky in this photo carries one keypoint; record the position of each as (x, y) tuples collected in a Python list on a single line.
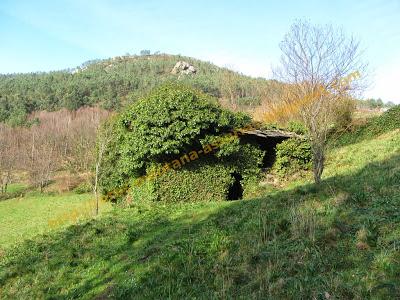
[(243, 35)]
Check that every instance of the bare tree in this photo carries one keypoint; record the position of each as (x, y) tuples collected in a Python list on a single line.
[(321, 66), (8, 155), (42, 155), (104, 137), (56, 141), (67, 141), (81, 131)]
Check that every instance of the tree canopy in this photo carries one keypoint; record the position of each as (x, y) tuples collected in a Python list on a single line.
[(116, 82)]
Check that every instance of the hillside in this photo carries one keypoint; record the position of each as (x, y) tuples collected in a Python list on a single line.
[(336, 241), (112, 83), (46, 212)]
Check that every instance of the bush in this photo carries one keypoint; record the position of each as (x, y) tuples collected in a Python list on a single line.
[(296, 127), (344, 113), (248, 101), (172, 120), (388, 121), (82, 188), (292, 155)]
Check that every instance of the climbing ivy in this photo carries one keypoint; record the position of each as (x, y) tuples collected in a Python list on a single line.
[(173, 120)]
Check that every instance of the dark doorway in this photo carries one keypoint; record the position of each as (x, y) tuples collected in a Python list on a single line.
[(266, 144), (235, 191)]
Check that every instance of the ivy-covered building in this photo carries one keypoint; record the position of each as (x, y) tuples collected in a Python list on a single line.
[(178, 144)]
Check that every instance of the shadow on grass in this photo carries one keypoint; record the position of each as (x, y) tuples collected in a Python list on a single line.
[(340, 239), (20, 192)]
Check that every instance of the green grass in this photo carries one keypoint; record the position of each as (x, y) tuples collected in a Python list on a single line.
[(340, 240), (388, 121), (15, 188), (25, 217)]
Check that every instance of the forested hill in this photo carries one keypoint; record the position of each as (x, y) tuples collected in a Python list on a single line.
[(111, 83)]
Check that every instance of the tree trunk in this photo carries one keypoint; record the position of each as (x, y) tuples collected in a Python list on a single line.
[(318, 164), (6, 181), (96, 194)]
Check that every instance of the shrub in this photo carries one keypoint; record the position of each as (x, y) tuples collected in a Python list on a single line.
[(388, 121), (293, 155), (344, 113), (296, 127), (83, 187), (172, 120), (249, 101)]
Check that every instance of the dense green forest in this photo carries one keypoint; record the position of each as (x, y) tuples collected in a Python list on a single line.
[(115, 82)]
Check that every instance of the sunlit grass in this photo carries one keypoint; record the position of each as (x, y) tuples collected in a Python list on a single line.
[(336, 241), (15, 187), (25, 217)]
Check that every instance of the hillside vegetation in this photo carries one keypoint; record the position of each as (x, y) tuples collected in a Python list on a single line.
[(376, 125), (22, 218), (112, 83), (339, 240), (169, 130)]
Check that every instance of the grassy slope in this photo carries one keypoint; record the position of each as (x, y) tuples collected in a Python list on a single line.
[(340, 240), (22, 218)]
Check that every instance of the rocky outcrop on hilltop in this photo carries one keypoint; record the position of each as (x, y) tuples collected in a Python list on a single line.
[(182, 67)]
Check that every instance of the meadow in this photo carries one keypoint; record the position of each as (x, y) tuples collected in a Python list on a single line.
[(338, 240), (159, 176), (34, 214)]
